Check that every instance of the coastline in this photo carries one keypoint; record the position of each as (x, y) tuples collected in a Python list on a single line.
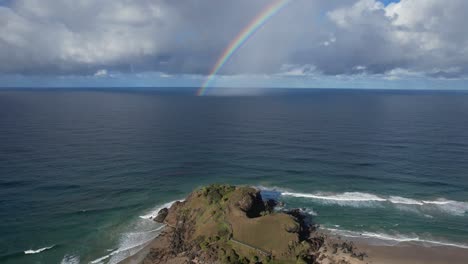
[(402, 253), (408, 253), (138, 257), (230, 224), (380, 252), (375, 250)]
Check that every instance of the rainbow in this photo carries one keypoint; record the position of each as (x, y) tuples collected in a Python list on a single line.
[(268, 12)]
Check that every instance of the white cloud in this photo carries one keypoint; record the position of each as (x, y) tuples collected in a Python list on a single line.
[(363, 11), (186, 37), (101, 73), (398, 74), (298, 70), (71, 34), (417, 35)]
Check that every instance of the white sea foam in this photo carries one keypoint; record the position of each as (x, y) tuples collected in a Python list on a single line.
[(311, 212), (344, 197), (130, 244), (358, 199), (354, 199), (447, 206), (394, 239), (36, 251), (439, 202), (133, 241), (70, 259), (403, 200), (154, 212)]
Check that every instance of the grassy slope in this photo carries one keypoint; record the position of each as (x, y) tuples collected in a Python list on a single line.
[(217, 219)]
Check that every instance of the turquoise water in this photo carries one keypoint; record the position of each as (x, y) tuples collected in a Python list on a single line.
[(82, 170)]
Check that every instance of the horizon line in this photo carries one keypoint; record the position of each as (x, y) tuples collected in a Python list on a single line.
[(168, 88)]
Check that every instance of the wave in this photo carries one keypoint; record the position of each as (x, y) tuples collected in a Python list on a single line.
[(154, 212), (403, 200), (360, 199), (36, 251), (344, 197), (310, 212), (70, 259), (134, 242), (396, 239)]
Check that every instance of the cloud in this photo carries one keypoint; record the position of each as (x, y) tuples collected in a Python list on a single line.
[(298, 70), (173, 37), (416, 35), (101, 73)]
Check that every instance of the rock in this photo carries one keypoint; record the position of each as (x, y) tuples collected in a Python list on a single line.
[(252, 204), (270, 205), (347, 247), (162, 214), (292, 228), (297, 212), (246, 203)]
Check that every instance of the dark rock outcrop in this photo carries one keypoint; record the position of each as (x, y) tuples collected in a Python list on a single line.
[(270, 205), (252, 204), (162, 214)]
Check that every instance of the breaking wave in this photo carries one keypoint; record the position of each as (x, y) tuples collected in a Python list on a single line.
[(393, 239), (133, 241), (36, 251), (131, 244), (360, 199), (154, 212), (70, 259)]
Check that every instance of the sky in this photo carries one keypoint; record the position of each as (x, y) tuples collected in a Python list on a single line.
[(406, 44)]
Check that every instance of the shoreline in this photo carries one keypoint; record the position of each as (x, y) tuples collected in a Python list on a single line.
[(401, 253), (376, 248), (409, 253), (382, 239), (379, 252)]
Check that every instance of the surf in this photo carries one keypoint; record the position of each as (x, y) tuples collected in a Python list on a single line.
[(358, 199), (393, 239), (132, 242), (154, 212), (37, 251)]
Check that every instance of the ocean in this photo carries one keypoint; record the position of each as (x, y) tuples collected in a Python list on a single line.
[(81, 171)]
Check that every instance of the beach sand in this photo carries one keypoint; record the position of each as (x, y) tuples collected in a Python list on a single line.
[(403, 253), (380, 252), (414, 254), (377, 253)]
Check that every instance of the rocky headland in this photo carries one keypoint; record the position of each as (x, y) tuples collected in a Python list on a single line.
[(229, 224)]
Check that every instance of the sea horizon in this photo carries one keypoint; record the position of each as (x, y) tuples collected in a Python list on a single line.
[(266, 132), (195, 88)]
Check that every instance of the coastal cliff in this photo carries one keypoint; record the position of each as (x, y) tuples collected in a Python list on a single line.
[(228, 224)]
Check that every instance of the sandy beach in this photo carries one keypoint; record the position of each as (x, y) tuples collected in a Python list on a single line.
[(403, 253), (414, 254)]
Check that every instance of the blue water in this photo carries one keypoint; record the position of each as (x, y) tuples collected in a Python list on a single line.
[(79, 167)]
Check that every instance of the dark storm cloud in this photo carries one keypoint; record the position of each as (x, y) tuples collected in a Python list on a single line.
[(328, 37)]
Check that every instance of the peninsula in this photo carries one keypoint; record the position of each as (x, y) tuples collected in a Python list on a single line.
[(229, 224)]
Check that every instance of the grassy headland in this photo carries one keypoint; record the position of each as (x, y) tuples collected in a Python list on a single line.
[(229, 224)]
